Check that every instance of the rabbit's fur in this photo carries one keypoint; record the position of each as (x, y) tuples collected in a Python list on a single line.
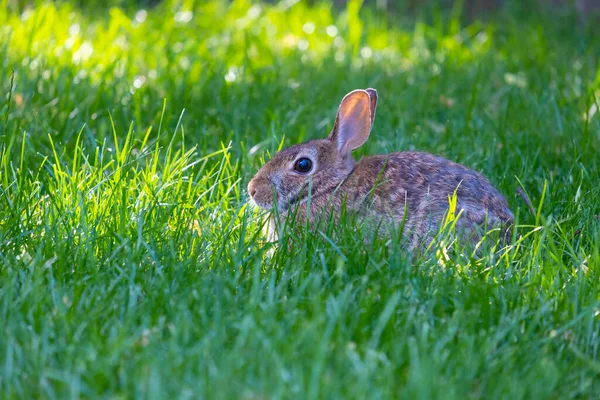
[(380, 188)]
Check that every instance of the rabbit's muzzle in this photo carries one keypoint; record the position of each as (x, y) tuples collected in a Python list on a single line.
[(261, 192)]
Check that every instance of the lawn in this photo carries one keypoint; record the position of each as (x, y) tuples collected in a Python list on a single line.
[(132, 265)]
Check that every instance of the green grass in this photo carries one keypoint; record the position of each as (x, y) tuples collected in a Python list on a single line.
[(132, 266)]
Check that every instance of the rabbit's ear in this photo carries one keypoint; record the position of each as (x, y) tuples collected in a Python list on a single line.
[(354, 120), (372, 103)]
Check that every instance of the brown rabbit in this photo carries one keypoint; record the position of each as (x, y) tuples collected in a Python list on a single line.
[(381, 188)]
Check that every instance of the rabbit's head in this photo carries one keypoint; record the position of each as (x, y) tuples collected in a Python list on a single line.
[(320, 164)]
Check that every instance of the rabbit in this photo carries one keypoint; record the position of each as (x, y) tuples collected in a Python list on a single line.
[(381, 188)]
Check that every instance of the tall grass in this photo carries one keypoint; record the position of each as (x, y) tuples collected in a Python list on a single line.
[(132, 266)]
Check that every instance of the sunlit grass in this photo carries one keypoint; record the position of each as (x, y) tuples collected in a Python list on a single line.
[(132, 265)]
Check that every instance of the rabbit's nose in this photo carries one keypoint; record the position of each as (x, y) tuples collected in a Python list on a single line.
[(251, 189)]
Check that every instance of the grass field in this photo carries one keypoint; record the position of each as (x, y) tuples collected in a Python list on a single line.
[(132, 266)]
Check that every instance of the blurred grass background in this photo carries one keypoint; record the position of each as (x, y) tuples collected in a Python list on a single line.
[(131, 265)]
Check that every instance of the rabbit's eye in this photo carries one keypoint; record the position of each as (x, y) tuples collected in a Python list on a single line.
[(303, 165)]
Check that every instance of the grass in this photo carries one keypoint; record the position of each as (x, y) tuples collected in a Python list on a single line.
[(132, 266)]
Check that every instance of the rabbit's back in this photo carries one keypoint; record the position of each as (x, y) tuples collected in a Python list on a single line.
[(419, 184)]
